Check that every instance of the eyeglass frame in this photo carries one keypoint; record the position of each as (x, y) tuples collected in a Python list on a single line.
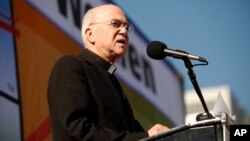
[(116, 24)]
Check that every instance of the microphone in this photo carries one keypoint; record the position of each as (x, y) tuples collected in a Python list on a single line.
[(158, 50)]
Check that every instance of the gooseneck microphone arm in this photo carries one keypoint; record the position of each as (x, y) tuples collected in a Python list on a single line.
[(158, 50), (192, 77)]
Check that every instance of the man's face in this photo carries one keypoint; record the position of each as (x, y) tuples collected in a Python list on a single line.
[(111, 41)]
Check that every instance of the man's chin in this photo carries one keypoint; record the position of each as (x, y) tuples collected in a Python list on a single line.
[(120, 54)]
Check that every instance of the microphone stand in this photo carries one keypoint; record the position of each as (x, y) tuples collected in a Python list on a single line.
[(192, 77)]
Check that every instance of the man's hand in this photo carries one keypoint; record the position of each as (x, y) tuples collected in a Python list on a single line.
[(157, 129)]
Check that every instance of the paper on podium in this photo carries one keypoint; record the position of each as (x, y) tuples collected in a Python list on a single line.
[(221, 107)]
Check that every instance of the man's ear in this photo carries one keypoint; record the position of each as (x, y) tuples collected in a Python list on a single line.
[(89, 35)]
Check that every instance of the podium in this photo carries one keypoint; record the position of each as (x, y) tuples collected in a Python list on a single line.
[(215, 129)]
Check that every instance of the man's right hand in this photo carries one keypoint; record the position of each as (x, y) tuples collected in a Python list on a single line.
[(157, 129)]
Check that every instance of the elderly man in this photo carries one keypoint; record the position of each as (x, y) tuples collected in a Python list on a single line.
[(86, 101)]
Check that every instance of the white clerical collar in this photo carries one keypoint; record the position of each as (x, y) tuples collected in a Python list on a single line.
[(112, 69)]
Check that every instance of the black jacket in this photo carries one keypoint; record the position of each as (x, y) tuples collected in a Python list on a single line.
[(86, 102)]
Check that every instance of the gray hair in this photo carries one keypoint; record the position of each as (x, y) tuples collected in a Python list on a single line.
[(87, 19)]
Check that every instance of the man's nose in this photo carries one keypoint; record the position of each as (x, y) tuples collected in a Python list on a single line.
[(123, 29)]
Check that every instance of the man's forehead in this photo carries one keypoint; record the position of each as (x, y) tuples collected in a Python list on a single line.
[(107, 7), (110, 12)]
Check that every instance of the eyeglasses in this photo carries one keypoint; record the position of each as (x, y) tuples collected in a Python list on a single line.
[(117, 24)]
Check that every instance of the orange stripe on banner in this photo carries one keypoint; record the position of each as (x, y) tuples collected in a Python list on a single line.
[(42, 132)]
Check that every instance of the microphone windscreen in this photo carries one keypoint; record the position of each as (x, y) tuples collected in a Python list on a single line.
[(155, 50)]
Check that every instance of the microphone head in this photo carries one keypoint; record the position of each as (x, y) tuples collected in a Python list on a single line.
[(155, 50)]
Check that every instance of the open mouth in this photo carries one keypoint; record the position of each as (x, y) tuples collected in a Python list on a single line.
[(121, 41)]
